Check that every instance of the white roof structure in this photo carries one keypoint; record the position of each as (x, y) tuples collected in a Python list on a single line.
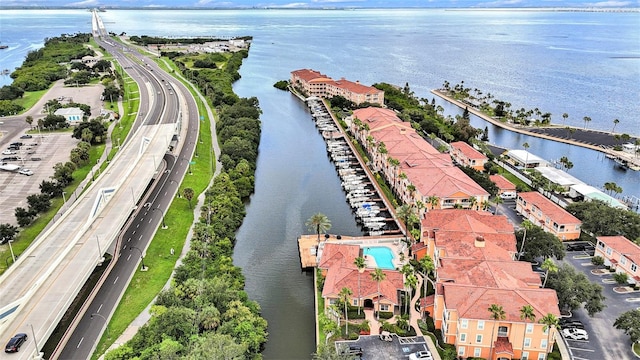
[(523, 156), (69, 111), (558, 176), (591, 193)]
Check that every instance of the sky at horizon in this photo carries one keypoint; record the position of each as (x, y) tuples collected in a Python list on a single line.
[(293, 4)]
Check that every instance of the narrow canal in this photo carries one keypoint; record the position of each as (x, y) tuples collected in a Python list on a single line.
[(294, 180)]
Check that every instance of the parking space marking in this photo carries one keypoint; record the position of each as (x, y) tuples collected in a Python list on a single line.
[(608, 281), (632, 300), (581, 349)]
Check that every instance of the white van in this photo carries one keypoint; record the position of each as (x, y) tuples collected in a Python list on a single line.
[(508, 195)]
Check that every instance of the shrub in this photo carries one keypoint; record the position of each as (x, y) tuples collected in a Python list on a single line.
[(384, 314)]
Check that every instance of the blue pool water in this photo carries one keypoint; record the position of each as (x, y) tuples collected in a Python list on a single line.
[(383, 256)]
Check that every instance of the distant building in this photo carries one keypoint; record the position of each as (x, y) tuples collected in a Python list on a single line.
[(73, 115), (558, 177), (549, 216), (465, 155), (506, 189), (525, 159), (621, 254), (314, 83), (586, 192)]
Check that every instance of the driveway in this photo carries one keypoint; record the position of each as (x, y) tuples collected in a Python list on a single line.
[(605, 342), (375, 349)]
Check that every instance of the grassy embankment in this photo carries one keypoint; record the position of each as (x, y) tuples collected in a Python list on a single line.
[(146, 285)]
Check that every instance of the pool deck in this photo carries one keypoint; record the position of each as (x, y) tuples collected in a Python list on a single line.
[(308, 252)]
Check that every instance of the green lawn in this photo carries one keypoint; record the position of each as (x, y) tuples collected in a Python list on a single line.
[(30, 98), (636, 349)]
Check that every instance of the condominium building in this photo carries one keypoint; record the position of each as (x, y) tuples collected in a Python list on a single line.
[(549, 216), (621, 254), (314, 83)]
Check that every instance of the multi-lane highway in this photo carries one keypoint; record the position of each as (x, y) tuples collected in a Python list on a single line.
[(38, 289)]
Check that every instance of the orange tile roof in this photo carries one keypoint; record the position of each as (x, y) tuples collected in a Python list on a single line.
[(308, 74), (624, 246), (473, 302), (461, 245), (468, 151), (376, 116), (467, 220), (491, 273), (354, 87), (341, 272), (553, 211), (503, 346), (502, 183)]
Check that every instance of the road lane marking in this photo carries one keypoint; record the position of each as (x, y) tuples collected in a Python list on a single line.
[(116, 280), (150, 219), (129, 257), (137, 226), (99, 308), (140, 238), (123, 246), (80, 342)]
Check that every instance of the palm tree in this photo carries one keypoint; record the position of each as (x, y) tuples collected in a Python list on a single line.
[(472, 202), (344, 295), (526, 161), (433, 201), (378, 276), (586, 121), (548, 266), (319, 223), (427, 266), (410, 283), (615, 122), (526, 313), (497, 313), (526, 224), (360, 264), (564, 117), (406, 270), (405, 212), (498, 200), (549, 321)]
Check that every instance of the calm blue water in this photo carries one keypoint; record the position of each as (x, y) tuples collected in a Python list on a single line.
[(383, 256), (584, 64)]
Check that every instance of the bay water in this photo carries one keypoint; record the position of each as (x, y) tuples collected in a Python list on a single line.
[(581, 63)]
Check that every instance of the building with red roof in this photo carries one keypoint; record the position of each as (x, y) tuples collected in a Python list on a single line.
[(548, 215), (314, 83), (465, 155), (621, 254), (506, 188), (474, 255), (416, 170)]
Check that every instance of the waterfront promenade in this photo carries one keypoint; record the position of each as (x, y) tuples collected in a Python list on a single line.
[(591, 139)]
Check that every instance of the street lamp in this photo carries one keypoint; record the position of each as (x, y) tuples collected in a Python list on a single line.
[(13, 256), (142, 268), (164, 226), (64, 199), (106, 323), (35, 343)]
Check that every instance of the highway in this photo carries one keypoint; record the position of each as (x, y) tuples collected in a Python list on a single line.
[(38, 289)]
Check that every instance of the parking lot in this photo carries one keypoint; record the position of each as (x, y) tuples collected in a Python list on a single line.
[(605, 342), (15, 187), (375, 349)]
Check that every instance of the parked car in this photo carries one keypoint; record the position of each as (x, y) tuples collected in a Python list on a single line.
[(352, 350), (26, 136), (14, 344), (575, 334), (8, 152), (10, 158), (15, 144), (36, 159), (421, 355), (24, 171), (572, 324), (576, 247)]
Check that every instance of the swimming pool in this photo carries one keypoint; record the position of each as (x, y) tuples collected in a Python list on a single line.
[(383, 256)]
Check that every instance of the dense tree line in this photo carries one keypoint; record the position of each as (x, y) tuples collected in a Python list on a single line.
[(153, 40), (43, 66), (206, 314), (600, 219)]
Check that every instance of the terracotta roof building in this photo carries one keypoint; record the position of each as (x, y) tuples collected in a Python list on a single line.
[(551, 217), (466, 155), (415, 169), (314, 83), (621, 254)]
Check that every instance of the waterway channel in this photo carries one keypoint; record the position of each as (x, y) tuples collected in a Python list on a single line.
[(294, 180)]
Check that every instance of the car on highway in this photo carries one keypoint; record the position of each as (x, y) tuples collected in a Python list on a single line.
[(575, 334), (15, 342), (421, 355), (25, 172), (26, 136)]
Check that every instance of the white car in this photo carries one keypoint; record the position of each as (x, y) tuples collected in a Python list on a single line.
[(575, 334), (26, 172), (8, 152), (421, 355)]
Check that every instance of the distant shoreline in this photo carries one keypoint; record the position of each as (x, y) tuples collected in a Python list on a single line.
[(514, 9)]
